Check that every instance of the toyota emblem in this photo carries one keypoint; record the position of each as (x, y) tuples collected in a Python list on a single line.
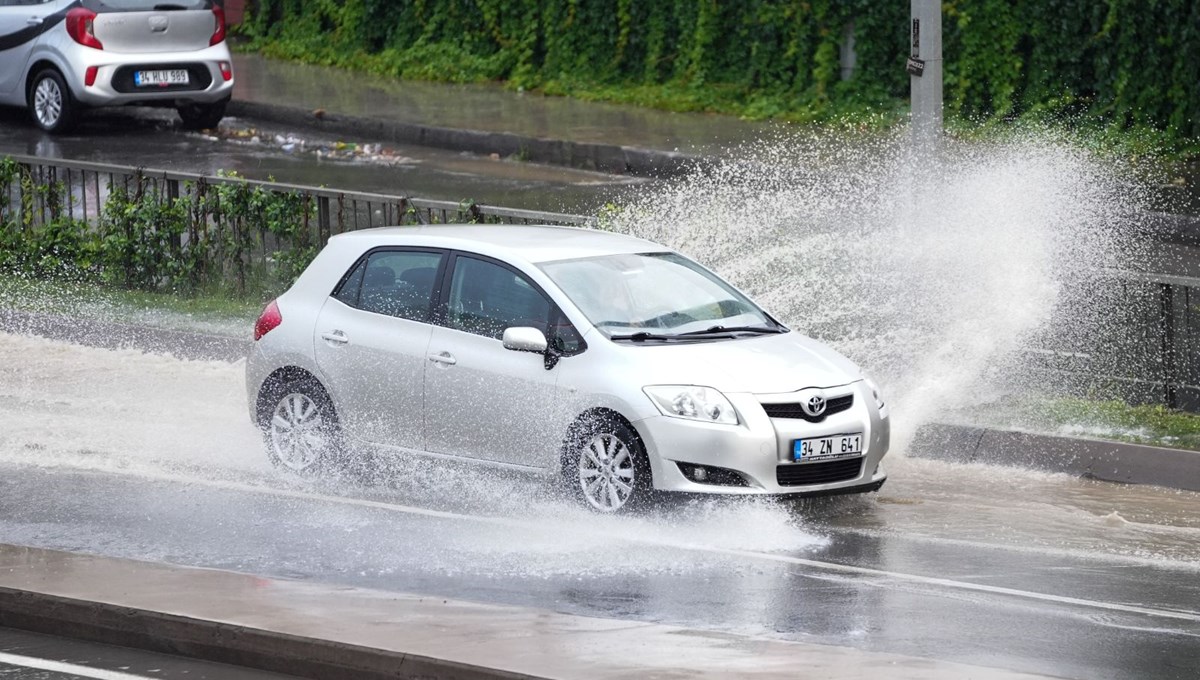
[(815, 405)]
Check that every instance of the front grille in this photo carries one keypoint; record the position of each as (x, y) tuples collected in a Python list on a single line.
[(199, 78), (800, 474), (795, 410)]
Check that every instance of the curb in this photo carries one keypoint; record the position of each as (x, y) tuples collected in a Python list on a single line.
[(610, 158), (1107, 461), (217, 642)]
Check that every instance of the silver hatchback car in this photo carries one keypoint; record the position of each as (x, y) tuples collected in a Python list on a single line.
[(610, 362), (58, 56)]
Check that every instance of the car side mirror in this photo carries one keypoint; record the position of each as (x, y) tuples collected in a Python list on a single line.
[(525, 339)]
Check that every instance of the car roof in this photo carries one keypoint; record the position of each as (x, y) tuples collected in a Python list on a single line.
[(531, 243)]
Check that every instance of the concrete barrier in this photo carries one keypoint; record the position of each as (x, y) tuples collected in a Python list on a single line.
[(1093, 458)]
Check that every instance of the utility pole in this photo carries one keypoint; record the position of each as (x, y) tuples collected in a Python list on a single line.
[(925, 75)]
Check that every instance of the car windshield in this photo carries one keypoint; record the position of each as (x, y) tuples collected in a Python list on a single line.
[(656, 296)]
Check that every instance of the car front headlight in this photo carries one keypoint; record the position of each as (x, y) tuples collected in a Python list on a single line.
[(874, 391), (692, 402)]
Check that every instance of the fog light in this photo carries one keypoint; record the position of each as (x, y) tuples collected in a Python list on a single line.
[(714, 476), (226, 70)]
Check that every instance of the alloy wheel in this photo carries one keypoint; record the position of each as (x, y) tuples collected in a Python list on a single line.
[(48, 102), (606, 472), (298, 432)]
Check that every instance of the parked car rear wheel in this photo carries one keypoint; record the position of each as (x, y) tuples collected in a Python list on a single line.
[(202, 116), (51, 104)]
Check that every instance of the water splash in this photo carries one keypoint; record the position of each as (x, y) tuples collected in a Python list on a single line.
[(928, 275)]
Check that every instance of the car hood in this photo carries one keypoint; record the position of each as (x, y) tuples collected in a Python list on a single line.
[(760, 365)]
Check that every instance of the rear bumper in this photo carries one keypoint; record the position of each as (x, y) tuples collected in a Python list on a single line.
[(114, 86)]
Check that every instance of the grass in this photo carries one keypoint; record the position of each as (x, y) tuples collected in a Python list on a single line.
[(1151, 424), (201, 312)]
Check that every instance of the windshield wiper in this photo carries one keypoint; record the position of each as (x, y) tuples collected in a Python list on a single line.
[(642, 336), (734, 329)]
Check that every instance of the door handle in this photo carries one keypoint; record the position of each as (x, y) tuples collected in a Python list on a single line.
[(34, 21), (335, 337), (444, 358)]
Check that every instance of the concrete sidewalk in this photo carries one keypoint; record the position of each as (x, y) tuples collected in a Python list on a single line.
[(319, 631), (484, 119)]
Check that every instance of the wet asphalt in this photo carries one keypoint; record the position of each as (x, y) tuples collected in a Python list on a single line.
[(1065, 614), (30, 656)]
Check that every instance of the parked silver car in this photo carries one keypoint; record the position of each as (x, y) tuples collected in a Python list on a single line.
[(58, 56), (609, 361)]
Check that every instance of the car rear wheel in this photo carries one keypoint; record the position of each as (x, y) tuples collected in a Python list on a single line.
[(301, 428), (606, 467), (50, 102), (202, 116)]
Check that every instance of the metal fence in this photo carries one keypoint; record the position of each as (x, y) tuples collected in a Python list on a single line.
[(80, 189)]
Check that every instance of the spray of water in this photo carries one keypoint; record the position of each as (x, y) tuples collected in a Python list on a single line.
[(927, 272), (928, 276)]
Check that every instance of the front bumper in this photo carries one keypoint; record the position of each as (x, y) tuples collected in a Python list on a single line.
[(759, 449)]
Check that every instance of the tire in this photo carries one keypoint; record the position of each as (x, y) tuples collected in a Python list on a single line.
[(300, 427), (202, 116), (605, 466), (51, 104)]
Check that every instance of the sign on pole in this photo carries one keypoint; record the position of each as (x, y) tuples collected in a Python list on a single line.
[(924, 67)]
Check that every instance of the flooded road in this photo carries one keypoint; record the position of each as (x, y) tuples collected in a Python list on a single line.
[(150, 138), (119, 453)]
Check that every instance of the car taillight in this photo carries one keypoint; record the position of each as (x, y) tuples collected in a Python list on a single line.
[(219, 32), (89, 76), (268, 320), (81, 27)]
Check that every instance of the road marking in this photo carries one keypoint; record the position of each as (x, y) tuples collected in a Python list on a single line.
[(1179, 615), (63, 667)]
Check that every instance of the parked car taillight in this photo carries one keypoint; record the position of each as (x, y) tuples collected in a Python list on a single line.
[(268, 320), (80, 26), (219, 32)]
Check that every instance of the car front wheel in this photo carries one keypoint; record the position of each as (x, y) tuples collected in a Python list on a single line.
[(50, 102), (606, 467)]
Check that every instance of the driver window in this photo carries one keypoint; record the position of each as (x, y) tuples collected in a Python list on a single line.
[(486, 298)]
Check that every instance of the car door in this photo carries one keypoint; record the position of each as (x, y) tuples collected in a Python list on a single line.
[(482, 400), (22, 23), (371, 340)]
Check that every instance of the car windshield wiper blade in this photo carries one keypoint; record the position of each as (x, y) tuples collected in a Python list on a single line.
[(734, 329), (642, 336)]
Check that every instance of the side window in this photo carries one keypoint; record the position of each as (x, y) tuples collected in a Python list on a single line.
[(393, 282), (348, 291), (486, 298)]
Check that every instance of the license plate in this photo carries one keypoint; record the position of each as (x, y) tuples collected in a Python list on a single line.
[(160, 78), (827, 448)]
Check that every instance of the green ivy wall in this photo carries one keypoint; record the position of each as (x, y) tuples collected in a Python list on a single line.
[(1127, 63)]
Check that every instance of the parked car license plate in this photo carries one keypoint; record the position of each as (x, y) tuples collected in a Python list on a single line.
[(827, 448), (165, 77)]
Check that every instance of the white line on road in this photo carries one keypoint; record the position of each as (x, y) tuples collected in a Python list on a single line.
[(63, 667), (1180, 615)]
